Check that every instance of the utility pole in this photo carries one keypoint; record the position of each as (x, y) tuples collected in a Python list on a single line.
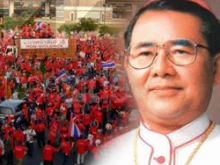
[(104, 5), (47, 7), (11, 8)]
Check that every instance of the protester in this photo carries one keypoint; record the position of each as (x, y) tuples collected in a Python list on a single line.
[(19, 152), (9, 145), (48, 153), (2, 149), (82, 149), (30, 138), (96, 150), (40, 129), (19, 136), (66, 148), (172, 63)]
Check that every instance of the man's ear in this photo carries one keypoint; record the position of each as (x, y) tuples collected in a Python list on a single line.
[(216, 69), (126, 61)]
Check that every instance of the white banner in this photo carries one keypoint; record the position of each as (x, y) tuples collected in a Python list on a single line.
[(44, 43)]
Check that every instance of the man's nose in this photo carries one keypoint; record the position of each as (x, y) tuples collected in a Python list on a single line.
[(162, 66)]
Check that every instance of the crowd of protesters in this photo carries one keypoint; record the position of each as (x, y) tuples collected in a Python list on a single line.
[(39, 30), (79, 104)]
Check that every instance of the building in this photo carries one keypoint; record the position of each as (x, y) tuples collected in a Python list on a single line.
[(11, 7), (125, 9), (66, 10), (72, 10), (57, 12)]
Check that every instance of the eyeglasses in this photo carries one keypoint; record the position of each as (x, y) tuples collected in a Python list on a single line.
[(180, 52)]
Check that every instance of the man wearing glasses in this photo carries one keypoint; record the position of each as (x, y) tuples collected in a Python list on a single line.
[(172, 62)]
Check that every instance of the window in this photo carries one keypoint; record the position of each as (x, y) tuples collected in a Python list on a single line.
[(5, 111), (72, 16)]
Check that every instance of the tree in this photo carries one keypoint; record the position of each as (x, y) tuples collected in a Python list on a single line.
[(67, 28), (11, 22), (84, 24), (89, 24), (108, 30)]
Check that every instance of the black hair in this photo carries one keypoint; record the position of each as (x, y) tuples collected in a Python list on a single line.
[(210, 24)]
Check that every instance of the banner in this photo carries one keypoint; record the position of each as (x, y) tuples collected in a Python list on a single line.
[(44, 43)]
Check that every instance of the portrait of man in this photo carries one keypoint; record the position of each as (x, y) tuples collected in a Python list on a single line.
[(173, 63)]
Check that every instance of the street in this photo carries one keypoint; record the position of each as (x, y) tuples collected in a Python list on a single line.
[(37, 158)]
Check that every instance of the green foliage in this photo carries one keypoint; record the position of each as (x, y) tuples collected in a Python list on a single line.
[(42, 69), (11, 22), (69, 27), (108, 30), (25, 13), (88, 24), (84, 24), (1, 26)]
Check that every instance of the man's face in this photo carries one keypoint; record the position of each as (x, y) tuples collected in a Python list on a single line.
[(167, 93)]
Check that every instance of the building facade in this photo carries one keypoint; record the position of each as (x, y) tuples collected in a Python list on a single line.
[(125, 9), (72, 10), (108, 12)]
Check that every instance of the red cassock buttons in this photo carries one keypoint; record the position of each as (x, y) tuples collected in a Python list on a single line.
[(160, 159)]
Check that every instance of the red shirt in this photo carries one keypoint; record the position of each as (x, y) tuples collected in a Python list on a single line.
[(65, 147), (94, 108), (77, 108), (40, 127), (80, 85), (57, 98), (63, 109), (51, 98), (105, 94), (25, 113), (37, 34), (49, 111), (19, 151), (125, 117), (52, 136), (98, 67), (98, 116), (63, 130), (93, 130), (75, 64), (40, 99), (96, 152), (48, 65), (8, 129), (48, 152), (19, 136), (39, 114), (82, 146), (105, 105), (23, 79), (98, 136), (31, 96), (86, 119), (54, 125), (91, 84), (101, 81), (86, 98)]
